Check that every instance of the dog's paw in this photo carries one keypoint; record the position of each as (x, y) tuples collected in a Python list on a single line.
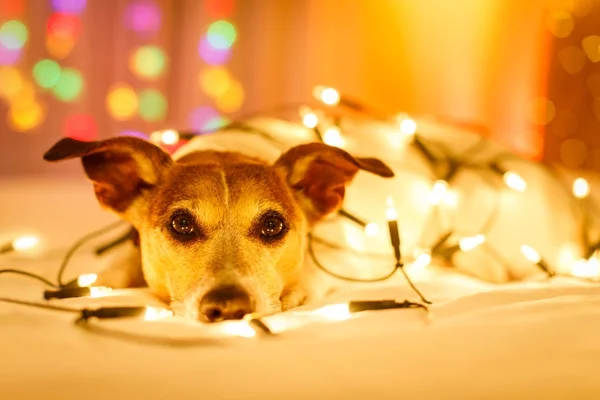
[(292, 298)]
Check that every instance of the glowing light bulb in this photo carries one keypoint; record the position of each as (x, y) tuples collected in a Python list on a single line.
[(581, 188), (86, 280), (334, 312), (408, 126), (327, 95), (333, 137), (514, 181), (310, 120), (170, 137), (469, 243), (390, 212), (100, 291), (438, 191), (586, 268), (531, 254), (25, 243), (238, 328), (156, 313), (371, 229), (422, 260)]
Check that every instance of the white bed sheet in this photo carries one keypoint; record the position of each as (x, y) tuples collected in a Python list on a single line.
[(527, 340)]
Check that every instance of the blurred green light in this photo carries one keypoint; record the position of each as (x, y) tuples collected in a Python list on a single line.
[(152, 105), (215, 123), (69, 85), (46, 73), (13, 34), (148, 62), (221, 34)]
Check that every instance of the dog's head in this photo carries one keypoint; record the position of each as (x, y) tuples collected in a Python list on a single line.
[(221, 234)]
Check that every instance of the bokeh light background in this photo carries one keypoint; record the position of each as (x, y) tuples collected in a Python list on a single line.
[(525, 71)]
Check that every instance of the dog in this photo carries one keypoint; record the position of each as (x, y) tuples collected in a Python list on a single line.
[(221, 234)]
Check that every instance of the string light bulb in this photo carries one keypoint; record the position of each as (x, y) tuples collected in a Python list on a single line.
[(535, 258), (408, 126), (327, 95), (581, 188), (333, 137), (371, 229), (586, 268), (310, 120), (167, 137), (334, 312), (469, 243), (157, 313), (20, 244), (84, 280), (514, 181), (438, 191), (422, 260), (392, 218)]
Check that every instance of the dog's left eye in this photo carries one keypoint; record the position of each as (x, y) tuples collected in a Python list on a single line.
[(183, 224), (272, 226)]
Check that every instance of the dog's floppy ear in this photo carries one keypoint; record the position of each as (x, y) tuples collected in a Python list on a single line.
[(318, 175), (121, 168)]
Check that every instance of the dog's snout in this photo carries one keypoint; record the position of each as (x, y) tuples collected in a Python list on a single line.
[(225, 302)]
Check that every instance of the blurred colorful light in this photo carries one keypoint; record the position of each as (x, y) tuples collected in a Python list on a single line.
[(215, 123), (63, 25), (81, 127), (69, 85), (214, 81), (152, 105), (200, 116), (46, 73), (148, 62), (221, 34), (9, 56), (143, 16), (11, 82), (122, 102), (59, 47), (12, 8), (25, 115), (211, 55), (232, 99), (132, 133), (69, 6), (13, 34), (218, 8)]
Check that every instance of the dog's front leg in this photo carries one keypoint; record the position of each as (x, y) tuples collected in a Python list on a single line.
[(123, 269), (293, 297)]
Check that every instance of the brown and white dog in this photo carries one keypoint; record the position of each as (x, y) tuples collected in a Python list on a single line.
[(221, 234)]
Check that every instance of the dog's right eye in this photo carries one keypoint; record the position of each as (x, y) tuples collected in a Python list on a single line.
[(183, 224)]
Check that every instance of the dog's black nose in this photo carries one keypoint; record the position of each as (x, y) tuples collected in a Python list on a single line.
[(225, 302)]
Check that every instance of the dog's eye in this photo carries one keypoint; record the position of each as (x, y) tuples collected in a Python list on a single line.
[(272, 226), (183, 224)]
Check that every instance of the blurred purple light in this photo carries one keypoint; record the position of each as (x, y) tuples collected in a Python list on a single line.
[(9, 56), (133, 133), (69, 6), (143, 16), (211, 55), (215, 123), (201, 116)]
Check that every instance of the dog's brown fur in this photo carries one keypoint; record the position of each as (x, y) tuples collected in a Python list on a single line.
[(228, 196)]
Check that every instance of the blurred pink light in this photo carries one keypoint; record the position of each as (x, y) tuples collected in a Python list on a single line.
[(69, 6), (143, 16), (201, 116), (133, 133), (9, 56), (211, 55)]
